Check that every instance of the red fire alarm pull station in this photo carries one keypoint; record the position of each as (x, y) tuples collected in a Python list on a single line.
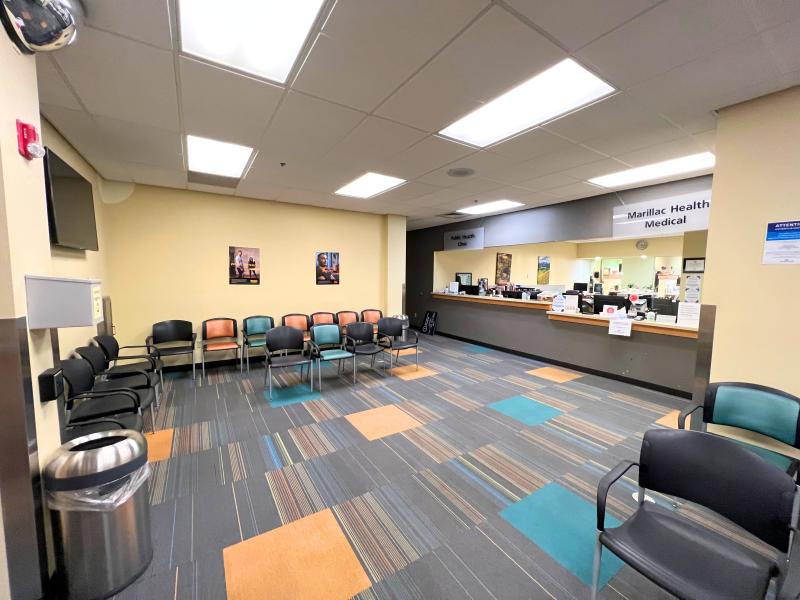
[(28, 141)]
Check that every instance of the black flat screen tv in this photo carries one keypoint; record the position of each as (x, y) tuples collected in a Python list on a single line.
[(70, 205)]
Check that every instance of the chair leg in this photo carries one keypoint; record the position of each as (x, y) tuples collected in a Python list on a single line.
[(247, 357), (268, 373), (194, 364), (416, 356), (203, 361), (319, 374), (598, 553), (354, 369), (152, 418), (311, 375)]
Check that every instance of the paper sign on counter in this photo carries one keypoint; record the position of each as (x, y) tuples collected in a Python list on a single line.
[(620, 327), (689, 314)]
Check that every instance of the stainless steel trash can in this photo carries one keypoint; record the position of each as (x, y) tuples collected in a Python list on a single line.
[(97, 493), (405, 320)]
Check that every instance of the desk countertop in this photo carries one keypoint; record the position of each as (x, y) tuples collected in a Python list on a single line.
[(644, 326), (513, 302)]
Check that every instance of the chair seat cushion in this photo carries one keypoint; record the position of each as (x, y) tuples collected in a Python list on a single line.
[(781, 461), (289, 360), (173, 350), (335, 354), (146, 394), (687, 559), (368, 349), (257, 343), (221, 346), (93, 408), (134, 422)]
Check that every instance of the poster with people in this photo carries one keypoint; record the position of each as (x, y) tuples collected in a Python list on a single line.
[(244, 265), (327, 268)]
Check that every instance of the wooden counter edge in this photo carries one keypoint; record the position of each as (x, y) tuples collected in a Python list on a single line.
[(654, 328), (508, 302)]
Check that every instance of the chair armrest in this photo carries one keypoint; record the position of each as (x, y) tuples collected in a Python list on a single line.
[(136, 345), (789, 588), (685, 413), (194, 339), (605, 484), (313, 349), (112, 376), (350, 343), (384, 340), (121, 391), (416, 335), (94, 422)]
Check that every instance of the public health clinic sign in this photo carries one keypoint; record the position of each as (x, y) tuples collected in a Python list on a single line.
[(687, 212)]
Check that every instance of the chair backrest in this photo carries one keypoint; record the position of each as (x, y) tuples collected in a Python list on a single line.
[(78, 375), (326, 335), (284, 338), (95, 356), (321, 318), (257, 324), (219, 327), (345, 317), (723, 476), (390, 326), (755, 407), (109, 345), (371, 315), (172, 331), (296, 320), (361, 332)]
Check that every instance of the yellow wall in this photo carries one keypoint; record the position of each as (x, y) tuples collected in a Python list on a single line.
[(395, 251), (168, 258), (756, 181), (658, 246), (524, 261)]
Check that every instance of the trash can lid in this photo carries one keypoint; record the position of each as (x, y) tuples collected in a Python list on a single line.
[(95, 459)]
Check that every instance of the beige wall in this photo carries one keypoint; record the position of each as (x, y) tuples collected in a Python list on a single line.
[(756, 181), (168, 258), (524, 261), (658, 246)]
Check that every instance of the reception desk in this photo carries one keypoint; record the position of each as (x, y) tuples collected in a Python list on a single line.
[(657, 355)]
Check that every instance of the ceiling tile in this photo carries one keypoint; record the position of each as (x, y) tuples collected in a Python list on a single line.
[(548, 182), (766, 14), (52, 88), (783, 43), (252, 188), (484, 163), (367, 48), (467, 74), (306, 128), (118, 78), (595, 169), (671, 34), (210, 189), (77, 127), (147, 21), (575, 23), (577, 190), (306, 175), (533, 143), (553, 162), (440, 196), (660, 152), (150, 175), (223, 105), (425, 156), (129, 142), (372, 142)]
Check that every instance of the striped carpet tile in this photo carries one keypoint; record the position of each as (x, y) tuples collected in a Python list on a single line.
[(449, 498), (193, 438), (587, 431), (524, 382), (503, 472), (579, 389), (459, 400), (550, 400), (551, 445), (294, 493), (435, 446), (420, 411)]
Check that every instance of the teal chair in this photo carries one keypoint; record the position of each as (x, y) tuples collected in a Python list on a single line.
[(254, 331), (757, 408), (326, 344)]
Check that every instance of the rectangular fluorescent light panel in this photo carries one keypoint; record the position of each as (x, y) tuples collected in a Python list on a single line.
[(262, 37), (667, 168), (369, 185), (488, 207), (216, 158), (554, 92)]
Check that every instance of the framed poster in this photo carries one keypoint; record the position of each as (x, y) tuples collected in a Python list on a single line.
[(694, 265), (464, 278), (543, 271), (502, 270), (244, 265), (327, 268)]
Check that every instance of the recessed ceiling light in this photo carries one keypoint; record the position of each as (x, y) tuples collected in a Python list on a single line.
[(215, 157), (676, 166), (482, 209), (262, 37), (558, 90), (369, 185)]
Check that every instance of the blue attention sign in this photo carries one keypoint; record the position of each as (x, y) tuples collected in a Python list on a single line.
[(782, 243)]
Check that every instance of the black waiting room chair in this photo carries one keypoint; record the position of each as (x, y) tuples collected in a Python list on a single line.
[(390, 336), (86, 407), (118, 362), (173, 338), (683, 557), (285, 347), (360, 342)]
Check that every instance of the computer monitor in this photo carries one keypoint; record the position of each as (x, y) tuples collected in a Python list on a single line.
[(664, 306), (601, 300), (515, 295), (580, 287), (470, 290)]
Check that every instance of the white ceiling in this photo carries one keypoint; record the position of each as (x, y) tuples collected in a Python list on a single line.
[(380, 77)]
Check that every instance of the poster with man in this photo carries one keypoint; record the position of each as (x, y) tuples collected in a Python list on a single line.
[(327, 268), (244, 265)]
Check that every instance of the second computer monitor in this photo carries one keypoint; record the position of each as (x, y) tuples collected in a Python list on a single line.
[(600, 300), (580, 287)]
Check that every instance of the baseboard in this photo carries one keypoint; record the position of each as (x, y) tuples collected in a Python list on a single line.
[(645, 384)]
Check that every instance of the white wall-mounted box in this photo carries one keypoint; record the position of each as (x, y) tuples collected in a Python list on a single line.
[(63, 302)]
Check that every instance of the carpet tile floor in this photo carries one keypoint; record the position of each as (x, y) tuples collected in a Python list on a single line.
[(474, 479)]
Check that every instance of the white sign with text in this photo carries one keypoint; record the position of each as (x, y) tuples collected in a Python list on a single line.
[(620, 327), (687, 212), (466, 239)]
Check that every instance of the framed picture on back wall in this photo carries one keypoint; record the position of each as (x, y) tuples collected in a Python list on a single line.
[(327, 268), (244, 265), (502, 270), (543, 270)]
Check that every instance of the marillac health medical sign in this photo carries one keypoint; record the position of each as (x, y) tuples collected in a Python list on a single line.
[(688, 212)]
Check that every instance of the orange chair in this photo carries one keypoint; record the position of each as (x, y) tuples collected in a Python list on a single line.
[(345, 317), (298, 321), (372, 315), (323, 318), (218, 335)]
